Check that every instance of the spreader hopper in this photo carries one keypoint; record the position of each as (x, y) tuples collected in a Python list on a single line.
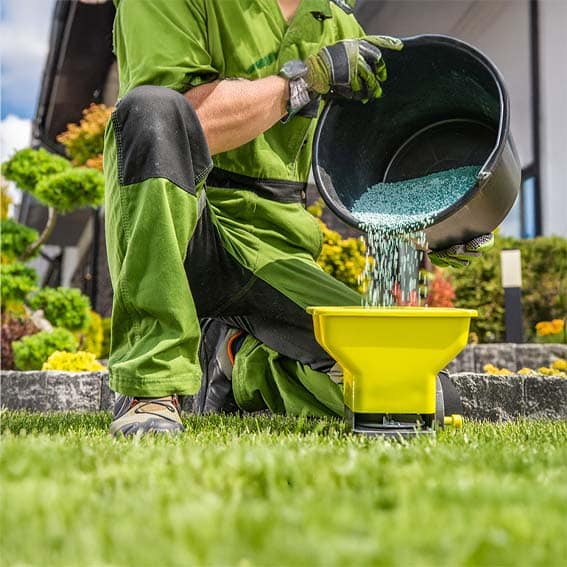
[(390, 357)]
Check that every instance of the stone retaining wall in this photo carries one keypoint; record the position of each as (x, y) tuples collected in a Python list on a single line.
[(502, 398), (484, 396), (506, 355), (55, 391)]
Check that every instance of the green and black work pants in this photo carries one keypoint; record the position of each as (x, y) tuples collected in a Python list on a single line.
[(186, 242)]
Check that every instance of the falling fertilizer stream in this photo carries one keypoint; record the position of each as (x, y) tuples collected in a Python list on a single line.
[(394, 217)]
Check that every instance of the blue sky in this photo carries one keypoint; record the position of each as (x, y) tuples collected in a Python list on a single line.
[(24, 36)]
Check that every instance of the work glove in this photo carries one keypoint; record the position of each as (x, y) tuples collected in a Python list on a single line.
[(460, 255), (352, 69)]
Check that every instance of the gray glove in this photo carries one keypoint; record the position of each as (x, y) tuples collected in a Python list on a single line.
[(460, 255), (352, 69)]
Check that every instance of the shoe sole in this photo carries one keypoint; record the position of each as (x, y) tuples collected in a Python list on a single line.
[(132, 426)]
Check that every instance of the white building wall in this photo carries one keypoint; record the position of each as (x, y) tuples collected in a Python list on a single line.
[(553, 116), (501, 29)]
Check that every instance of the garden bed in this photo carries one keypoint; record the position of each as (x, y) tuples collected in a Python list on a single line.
[(484, 396)]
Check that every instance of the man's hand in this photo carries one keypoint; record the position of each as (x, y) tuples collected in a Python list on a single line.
[(459, 255), (352, 68)]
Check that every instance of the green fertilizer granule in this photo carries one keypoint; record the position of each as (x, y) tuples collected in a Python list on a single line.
[(394, 216), (409, 205)]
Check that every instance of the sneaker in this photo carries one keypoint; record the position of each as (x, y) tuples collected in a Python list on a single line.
[(217, 359), (146, 415)]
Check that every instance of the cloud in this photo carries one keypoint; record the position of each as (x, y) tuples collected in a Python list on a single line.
[(24, 33), (15, 134)]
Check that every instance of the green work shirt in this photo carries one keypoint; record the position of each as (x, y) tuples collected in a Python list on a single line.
[(181, 44)]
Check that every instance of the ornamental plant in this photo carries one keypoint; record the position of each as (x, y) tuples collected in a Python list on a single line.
[(13, 329), (52, 180), (551, 331), (84, 141), (26, 168), (5, 200), (440, 289), (343, 258), (558, 369), (16, 240), (32, 351), (18, 280), (92, 336), (71, 189), (105, 347), (79, 361), (544, 286), (63, 307)]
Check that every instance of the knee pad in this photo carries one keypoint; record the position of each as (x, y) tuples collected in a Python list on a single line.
[(158, 134)]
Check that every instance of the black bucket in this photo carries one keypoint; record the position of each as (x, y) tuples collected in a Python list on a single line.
[(444, 106)]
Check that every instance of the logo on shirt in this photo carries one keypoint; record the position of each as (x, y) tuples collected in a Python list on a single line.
[(262, 62)]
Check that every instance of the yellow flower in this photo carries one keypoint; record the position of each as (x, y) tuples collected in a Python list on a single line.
[(80, 361), (559, 364), (544, 328), (527, 372)]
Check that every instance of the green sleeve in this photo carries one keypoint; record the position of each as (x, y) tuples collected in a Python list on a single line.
[(162, 43), (347, 26)]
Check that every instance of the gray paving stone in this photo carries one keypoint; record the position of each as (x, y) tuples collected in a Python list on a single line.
[(73, 391), (23, 390), (107, 396), (545, 397), (493, 398), (502, 355)]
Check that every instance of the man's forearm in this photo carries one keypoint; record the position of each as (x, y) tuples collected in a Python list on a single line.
[(233, 112)]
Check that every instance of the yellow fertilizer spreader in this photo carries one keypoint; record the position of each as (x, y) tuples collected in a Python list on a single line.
[(390, 358)]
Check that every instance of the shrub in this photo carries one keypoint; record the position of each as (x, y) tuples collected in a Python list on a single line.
[(72, 189), (84, 141), (17, 281), (105, 348), (16, 239), (31, 352), (551, 331), (13, 329), (544, 290), (80, 361), (63, 307), (544, 274), (5, 200), (343, 258), (440, 291), (91, 338), (27, 167)]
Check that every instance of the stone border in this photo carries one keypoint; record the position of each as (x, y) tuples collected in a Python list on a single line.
[(494, 398), (506, 355), (502, 398), (55, 391)]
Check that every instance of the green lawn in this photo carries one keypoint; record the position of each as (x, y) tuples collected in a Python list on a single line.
[(275, 491)]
